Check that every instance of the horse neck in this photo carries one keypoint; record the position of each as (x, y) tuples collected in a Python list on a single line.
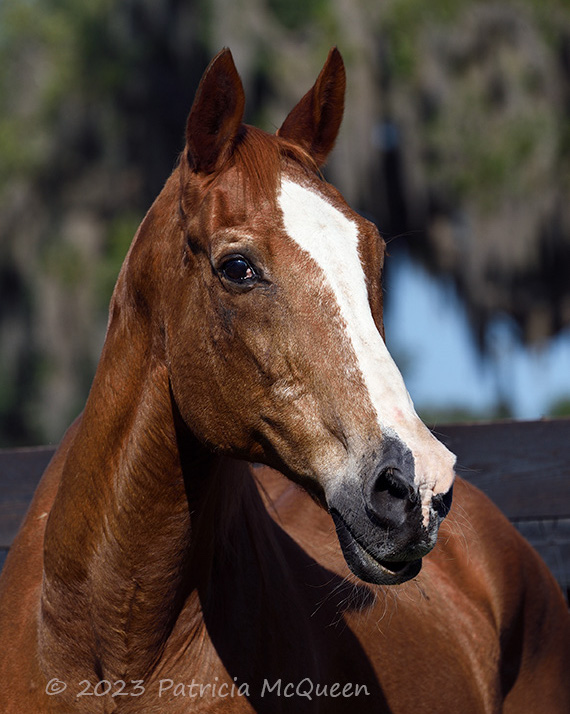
[(130, 539)]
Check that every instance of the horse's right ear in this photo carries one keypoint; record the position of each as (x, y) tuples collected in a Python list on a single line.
[(216, 114), (315, 121)]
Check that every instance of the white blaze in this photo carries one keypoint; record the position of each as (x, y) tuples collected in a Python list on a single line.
[(331, 239)]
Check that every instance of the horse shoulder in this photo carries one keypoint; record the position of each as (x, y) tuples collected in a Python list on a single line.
[(489, 561), (422, 627), (484, 607)]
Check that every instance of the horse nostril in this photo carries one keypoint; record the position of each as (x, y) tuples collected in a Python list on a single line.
[(392, 499), (388, 480), (442, 503)]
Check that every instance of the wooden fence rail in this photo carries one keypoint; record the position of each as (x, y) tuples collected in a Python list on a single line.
[(524, 467)]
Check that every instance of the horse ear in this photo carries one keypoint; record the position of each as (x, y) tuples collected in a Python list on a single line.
[(315, 121), (216, 114)]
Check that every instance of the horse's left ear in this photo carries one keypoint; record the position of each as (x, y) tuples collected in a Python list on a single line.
[(216, 115), (315, 121)]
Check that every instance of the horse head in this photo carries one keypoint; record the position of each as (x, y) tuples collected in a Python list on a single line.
[(270, 307)]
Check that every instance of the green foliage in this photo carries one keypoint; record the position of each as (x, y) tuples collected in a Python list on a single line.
[(560, 408), (460, 414), (119, 238), (20, 40), (401, 25), (296, 14), (72, 69), (490, 133), (476, 162), (65, 263)]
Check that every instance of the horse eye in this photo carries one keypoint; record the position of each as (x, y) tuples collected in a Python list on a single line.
[(238, 270)]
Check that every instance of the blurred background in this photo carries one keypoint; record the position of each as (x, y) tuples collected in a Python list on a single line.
[(456, 142)]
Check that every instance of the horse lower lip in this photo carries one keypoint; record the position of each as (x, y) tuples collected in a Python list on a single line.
[(396, 566), (395, 570)]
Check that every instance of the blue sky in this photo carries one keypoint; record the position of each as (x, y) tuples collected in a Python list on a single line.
[(429, 336)]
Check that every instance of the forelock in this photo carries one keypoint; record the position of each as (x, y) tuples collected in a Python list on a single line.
[(259, 158)]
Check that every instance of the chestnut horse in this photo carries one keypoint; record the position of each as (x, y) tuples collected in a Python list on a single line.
[(158, 570)]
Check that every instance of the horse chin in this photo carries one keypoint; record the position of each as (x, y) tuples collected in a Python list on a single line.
[(368, 567)]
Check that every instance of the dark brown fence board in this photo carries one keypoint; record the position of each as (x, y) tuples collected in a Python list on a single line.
[(551, 539), (20, 472), (524, 467)]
